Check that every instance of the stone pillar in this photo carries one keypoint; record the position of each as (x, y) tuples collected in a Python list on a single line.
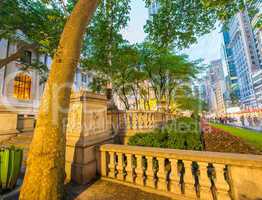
[(86, 130), (8, 125)]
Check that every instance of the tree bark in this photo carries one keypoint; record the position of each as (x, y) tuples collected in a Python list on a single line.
[(44, 178)]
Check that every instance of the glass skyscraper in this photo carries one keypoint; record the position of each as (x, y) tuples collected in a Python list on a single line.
[(242, 44), (230, 65)]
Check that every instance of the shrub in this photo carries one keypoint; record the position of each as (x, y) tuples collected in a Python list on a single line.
[(182, 133), (10, 166)]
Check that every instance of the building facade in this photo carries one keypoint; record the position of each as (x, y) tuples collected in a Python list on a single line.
[(257, 84), (257, 30), (218, 85), (245, 57), (21, 91), (153, 8), (230, 67)]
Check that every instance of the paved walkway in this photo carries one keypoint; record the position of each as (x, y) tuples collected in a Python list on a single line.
[(105, 190), (238, 124)]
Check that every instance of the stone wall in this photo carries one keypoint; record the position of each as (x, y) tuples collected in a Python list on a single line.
[(129, 123), (87, 129), (8, 125)]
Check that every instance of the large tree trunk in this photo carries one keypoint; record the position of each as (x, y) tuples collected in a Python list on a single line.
[(45, 174)]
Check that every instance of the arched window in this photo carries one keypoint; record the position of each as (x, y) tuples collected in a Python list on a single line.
[(22, 86)]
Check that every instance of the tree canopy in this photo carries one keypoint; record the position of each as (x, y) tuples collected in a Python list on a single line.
[(131, 69)]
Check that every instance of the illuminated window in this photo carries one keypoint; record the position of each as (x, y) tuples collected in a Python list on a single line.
[(22, 86)]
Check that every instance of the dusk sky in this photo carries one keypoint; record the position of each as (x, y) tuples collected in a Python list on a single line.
[(208, 46)]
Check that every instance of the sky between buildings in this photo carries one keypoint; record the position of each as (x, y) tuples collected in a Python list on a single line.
[(207, 48)]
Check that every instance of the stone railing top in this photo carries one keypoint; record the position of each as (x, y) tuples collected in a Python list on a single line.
[(140, 111), (200, 156), (85, 95)]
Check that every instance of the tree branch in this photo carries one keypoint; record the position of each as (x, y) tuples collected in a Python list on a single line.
[(64, 6), (16, 55)]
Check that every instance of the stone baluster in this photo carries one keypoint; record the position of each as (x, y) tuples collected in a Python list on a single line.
[(144, 116), (129, 169), (150, 120), (143, 124), (103, 163), (140, 120), (147, 120), (189, 180), (120, 167), (134, 122), (128, 125), (139, 171), (131, 115), (112, 165), (175, 186), (162, 175), (153, 123), (121, 119), (116, 121), (205, 182), (150, 180), (222, 187), (155, 120)]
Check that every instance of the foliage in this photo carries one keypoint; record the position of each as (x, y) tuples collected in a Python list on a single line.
[(191, 103), (32, 22), (146, 72), (10, 165), (177, 24), (183, 133), (100, 51)]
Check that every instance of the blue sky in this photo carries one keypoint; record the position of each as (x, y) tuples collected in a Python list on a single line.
[(208, 46)]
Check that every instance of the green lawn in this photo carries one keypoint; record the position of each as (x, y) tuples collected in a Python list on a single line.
[(250, 136)]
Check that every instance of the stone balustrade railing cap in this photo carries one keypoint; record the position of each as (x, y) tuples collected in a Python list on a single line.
[(198, 156)]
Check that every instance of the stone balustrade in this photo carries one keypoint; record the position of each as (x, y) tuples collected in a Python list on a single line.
[(182, 174), (128, 123)]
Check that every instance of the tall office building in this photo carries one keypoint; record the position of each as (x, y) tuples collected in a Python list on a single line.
[(245, 56), (218, 85), (257, 77), (153, 8), (230, 67), (214, 89), (257, 29), (257, 84)]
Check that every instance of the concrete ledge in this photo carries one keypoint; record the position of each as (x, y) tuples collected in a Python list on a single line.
[(201, 156)]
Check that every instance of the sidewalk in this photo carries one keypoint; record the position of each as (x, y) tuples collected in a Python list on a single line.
[(238, 124)]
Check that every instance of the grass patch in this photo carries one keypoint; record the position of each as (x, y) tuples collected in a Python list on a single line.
[(250, 136)]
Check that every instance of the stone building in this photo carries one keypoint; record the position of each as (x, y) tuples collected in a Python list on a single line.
[(21, 91)]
